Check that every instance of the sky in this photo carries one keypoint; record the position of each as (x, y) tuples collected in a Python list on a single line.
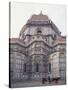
[(21, 12)]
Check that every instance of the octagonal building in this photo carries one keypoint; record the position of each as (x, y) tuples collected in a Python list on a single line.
[(38, 54)]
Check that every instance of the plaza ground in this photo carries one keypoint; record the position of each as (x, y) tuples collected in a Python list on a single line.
[(34, 84)]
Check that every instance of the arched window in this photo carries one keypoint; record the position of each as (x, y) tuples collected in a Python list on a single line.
[(24, 67), (37, 67), (50, 67)]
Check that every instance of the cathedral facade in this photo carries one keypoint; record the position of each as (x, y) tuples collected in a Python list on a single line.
[(39, 54)]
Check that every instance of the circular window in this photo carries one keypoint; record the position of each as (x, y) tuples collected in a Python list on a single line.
[(39, 30)]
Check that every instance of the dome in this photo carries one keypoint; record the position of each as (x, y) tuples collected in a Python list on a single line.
[(39, 17), (36, 21)]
